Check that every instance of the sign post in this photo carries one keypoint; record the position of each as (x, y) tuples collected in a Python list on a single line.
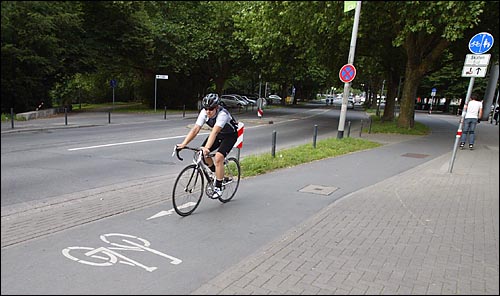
[(113, 85), (156, 79), (433, 94), (479, 44), (350, 61), (346, 75)]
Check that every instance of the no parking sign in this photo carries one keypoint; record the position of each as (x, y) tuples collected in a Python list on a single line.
[(347, 73)]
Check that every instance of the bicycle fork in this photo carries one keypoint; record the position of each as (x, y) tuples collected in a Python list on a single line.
[(188, 187)]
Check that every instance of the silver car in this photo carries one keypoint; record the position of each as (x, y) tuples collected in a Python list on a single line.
[(231, 101)]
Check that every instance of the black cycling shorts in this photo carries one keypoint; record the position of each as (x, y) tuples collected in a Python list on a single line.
[(225, 142)]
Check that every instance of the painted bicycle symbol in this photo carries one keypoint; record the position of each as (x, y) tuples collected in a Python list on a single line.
[(103, 256)]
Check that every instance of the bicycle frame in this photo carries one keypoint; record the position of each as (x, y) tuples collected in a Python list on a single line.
[(198, 161), (189, 186)]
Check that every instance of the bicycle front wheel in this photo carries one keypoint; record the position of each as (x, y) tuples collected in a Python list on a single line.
[(232, 173), (188, 190)]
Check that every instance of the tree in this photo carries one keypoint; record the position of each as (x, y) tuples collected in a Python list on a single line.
[(425, 31), (41, 46)]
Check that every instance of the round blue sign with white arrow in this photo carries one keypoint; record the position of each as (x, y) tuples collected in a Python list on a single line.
[(481, 43)]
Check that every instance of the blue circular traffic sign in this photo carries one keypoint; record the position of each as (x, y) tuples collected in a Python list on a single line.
[(481, 43), (347, 73)]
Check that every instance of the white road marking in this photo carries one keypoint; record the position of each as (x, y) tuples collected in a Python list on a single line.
[(175, 137), (127, 143), (169, 212), (161, 213)]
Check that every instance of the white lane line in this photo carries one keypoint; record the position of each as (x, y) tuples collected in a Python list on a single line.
[(127, 143), (176, 137)]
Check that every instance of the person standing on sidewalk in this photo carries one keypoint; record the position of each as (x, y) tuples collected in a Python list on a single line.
[(474, 112)]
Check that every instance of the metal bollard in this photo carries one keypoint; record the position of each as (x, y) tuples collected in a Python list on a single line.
[(361, 129), (65, 116), (348, 128), (183, 111), (370, 127), (273, 147), (12, 117), (315, 135), (165, 113), (109, 116), (238, 155)]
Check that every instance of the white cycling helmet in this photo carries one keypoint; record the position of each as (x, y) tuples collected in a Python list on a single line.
[(211, 100)]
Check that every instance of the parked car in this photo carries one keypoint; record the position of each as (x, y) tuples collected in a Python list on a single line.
[(249, 101), (240, 98), (274, 99), (231, 101), (338, 102)]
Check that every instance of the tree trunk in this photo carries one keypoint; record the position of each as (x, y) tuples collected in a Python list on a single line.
[(407, 113), (422, 51), (219, 85)]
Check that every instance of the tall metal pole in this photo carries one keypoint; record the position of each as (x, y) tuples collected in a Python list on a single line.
[(156, 79), (460, 125), (260, 84), (352, 49), (380, 100)]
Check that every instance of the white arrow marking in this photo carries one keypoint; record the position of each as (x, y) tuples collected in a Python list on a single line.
[(169, 212), (161, 213)]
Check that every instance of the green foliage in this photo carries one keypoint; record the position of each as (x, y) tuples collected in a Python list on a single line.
[(390, 127), (40, 46), (64, 52), (259, 164)]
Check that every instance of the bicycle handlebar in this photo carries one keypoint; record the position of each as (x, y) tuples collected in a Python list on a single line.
[(177, 150)]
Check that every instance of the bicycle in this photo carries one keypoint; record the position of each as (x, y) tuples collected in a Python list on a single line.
[(190, 183)]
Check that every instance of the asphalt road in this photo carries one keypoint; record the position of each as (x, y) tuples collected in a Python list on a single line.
[(140, 251), (47, 163)]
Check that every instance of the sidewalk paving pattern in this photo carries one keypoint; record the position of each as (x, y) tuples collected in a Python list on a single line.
[(423, 231)]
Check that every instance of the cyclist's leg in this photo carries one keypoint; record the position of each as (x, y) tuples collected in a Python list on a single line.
[(226, 144), (208, 160)]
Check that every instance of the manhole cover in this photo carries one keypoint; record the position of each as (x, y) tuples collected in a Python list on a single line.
[(415, 155), (318, 189)]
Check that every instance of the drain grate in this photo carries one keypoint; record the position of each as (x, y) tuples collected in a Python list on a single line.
[(415, 155), (318, 189)]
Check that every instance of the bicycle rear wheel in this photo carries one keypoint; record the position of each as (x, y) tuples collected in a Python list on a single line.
[(188, 190), (232, 173)]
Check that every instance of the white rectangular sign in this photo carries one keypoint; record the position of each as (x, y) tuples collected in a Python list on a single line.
[(477, 60), (474, 71), (161, 76)]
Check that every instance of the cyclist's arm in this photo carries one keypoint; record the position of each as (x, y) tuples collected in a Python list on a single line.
[(190, 136)]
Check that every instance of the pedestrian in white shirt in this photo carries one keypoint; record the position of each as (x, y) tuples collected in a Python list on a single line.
[(473, 115)]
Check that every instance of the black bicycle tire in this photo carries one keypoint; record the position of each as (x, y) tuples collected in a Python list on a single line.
[(231, 195), (178, 209)]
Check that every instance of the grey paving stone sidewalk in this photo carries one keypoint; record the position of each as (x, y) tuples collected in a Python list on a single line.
[(425, 231)]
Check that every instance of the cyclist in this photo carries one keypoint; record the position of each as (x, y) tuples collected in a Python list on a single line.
[(223, 136)]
